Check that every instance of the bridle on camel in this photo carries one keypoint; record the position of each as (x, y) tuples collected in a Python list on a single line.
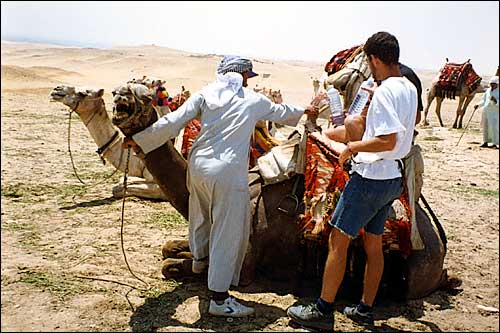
[(99, 150), (125, 178)]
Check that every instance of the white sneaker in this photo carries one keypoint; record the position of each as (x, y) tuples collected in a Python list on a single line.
[(230, 308), (198, 266)]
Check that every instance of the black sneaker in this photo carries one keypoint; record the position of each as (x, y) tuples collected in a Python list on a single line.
[(484, 145), (310, 316), (358, 316)]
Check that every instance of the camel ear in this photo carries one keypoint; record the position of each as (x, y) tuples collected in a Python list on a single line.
[(447, 60), (100, 92)]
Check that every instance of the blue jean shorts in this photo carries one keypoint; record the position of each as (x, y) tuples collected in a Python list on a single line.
[(365, 203)]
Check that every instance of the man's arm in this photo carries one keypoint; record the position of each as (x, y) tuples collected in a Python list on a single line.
[(166, 127), (373, 145)]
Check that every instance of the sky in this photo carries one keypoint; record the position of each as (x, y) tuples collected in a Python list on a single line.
[(427, 31)]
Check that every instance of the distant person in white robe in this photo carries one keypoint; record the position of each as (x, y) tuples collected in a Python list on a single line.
[(489, 117)]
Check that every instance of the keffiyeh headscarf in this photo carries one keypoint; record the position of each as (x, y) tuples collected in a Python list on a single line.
[(234, 64), (227, 83)]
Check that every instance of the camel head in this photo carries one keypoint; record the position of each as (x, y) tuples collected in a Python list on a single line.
[(79, 99), (132, 108), (276, 96)]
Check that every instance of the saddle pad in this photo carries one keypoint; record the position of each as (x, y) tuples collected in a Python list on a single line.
[(191, 131), (341, 58), (280, 162), (452, 76), (325, 180)]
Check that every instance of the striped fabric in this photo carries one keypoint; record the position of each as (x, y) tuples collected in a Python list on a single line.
[(324, 182), (234, 64)]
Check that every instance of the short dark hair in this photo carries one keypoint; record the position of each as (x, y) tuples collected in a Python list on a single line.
[(384, 46)]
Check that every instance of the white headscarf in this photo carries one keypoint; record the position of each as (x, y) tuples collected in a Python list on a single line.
[(220, 92), (494, 79)]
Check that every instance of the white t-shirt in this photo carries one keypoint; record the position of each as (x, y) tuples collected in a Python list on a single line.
[(393, 109)]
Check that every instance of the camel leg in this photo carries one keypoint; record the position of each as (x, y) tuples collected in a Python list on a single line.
[(140, 188), (178, 248), (464, 108), (459, 113), (174, 268), (430, 98), (439, 101)]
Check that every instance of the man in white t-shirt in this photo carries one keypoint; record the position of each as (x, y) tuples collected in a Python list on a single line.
[(375, 182)]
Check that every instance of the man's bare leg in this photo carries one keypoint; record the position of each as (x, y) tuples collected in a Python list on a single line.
[(338, 243), (355, 127), (352, 130), (374, 267)]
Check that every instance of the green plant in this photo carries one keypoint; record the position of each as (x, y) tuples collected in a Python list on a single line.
[(59, 286), (167, 220), (432, 138)]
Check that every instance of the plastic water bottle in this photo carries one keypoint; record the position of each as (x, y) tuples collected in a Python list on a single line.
[(336, 106), (361, 98)]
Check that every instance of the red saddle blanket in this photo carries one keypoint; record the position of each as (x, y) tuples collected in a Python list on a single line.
[(340, 59), (325, 180), (452, 76), (261, 141), (191, 131)]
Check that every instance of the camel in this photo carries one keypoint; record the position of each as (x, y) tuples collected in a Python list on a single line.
[(348, 80), (465, 97), (275, 97), (89, 105), (275, 244), (464, 100)]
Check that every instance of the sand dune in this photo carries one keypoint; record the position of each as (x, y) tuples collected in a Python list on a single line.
[(110, 67)]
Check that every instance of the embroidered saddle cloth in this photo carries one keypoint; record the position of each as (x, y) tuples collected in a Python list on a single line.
[(452, 76)]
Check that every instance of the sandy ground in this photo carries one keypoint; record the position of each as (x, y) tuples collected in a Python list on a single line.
[(56, 232)]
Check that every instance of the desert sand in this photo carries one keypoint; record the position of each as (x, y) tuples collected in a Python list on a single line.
[(56, 231)]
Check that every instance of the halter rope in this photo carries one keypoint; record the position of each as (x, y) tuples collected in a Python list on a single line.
[(100, 151)]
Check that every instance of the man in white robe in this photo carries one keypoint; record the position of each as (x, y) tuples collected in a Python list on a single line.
[(489, 118), (217, 176)]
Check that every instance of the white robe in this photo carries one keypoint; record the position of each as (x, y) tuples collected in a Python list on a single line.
[(489, 117), (217, 177)]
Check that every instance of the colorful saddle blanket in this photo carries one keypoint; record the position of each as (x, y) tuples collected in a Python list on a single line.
[(325, 180), (261, 142), (339, 60), (191, 131), (452, 76)]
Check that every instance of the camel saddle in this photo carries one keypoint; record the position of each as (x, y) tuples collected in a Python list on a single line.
[(341, 58), (324, 180), (453, 76)]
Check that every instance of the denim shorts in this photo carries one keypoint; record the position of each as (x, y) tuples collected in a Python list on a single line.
[(365, 203)]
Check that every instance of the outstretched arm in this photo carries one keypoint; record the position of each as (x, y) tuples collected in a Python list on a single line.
[(169, 125)]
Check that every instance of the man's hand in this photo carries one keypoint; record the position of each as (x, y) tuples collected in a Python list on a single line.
[(128, 142), (311, 110), (493, 99), (345, 155)]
